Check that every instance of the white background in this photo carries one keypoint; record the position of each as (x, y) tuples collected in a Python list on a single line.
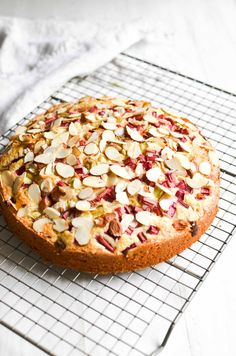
[(198, 38)]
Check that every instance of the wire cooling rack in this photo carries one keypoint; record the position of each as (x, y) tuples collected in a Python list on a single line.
[(64, 312)]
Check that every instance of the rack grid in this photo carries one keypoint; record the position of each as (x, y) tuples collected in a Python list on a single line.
[(65, 312)]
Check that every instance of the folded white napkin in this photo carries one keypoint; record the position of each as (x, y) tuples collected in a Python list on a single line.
[(38, 56)]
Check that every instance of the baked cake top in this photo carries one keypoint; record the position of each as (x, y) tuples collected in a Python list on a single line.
[(109, 174)]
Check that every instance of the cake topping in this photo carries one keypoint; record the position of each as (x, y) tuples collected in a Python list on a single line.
[(112, 173)]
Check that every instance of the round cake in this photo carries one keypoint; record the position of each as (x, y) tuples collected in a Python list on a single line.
[(109, 185)]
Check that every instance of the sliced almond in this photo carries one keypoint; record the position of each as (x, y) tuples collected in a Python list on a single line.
[(45, 158), (109, 125), (73, 129), (34, 193), (7, 178), (83, 221), (29, 157), (167, 153), (60, 225), (113, 154), (86, 193), (94, 136), (213, 158), (71, 160), (91, 149), (22, 212), (139, 171), (46, 185), (145, 217), (122, 197), (205, 168), (63, 152), (133, 149), (94, 182), (52, 213), (153, 131), (153, 174), (60, 138), (165, 204), (183, 160), (134, 187), (108, 135), (175, 165), (186, 146), (83, 205), (64, 170), (49, 169), (121, 186), (99, 169), (76, 183), (120, 171), (126, 220), (134, 134), (102, 145), (82, 235), (49, 135), (39, 224), (119, 131), (197, 181), (164, 189)]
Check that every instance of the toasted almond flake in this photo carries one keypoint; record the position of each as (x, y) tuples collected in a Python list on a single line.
[(113, 154), (76, 183), (205, 168), (167, 153), (64, 170), (83, 205), (71, 160), (52, 213), (20, 130), (186, 146), (102, 145), (134, 187), (7, 178), (153, 131), (133, 150), (164, 189), (39, 224), (126, 220), (122, 197), (108, 135), (150, 118), (49, 169), (99, 169), (56, 123), (193, 167), (119, 131), (197, 181), (60, 225), (120, 171), (213, 158), (29, 157), (164, 130), (153, 174), (91, 149), (91, 117), (94, 182), (165, 204), (121, 186), (33, 131), (46, 185), (38, 146), (60, 138), (86, 193), (175, 165), (63, 152), (134, 134), (73, 129), (145, 217), (183, 160), (22, 212), (82, 235), (94, 136), (109, 125), (83, 221), (34, 193), (49, 135), (139, 171), (73, 141), (45, 158)]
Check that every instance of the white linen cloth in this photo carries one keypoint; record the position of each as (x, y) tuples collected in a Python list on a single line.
[(38, 56)]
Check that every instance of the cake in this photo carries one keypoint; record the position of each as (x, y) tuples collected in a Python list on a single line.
[(108, 185)]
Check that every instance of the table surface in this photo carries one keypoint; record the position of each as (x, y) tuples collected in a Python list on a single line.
[(196, 38)]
